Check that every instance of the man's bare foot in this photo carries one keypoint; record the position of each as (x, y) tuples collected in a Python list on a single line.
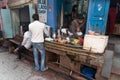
[(15, 51)]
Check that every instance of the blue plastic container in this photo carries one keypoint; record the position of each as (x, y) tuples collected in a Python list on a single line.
[(89, 72)]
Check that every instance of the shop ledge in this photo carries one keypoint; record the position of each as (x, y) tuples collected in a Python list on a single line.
[(15, 42), (63, 49)]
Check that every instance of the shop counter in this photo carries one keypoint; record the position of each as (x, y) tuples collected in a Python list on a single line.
[(73, 58)]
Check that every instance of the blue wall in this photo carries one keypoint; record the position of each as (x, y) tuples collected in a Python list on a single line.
[(51, 21), (54, 7)]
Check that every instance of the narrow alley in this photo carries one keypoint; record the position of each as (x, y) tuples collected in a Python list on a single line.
[(59, 39), (11, 69)]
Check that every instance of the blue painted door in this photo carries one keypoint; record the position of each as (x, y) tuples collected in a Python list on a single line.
[(97, 15), (7, 23)]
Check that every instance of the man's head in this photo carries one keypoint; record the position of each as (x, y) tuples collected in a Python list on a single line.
[(80, 18), (25, 28), (35, 17)]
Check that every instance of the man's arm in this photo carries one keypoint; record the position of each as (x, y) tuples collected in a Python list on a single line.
[(25, 38)]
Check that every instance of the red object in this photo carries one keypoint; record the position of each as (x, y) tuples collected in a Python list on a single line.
[(81, 41), (112, 19)]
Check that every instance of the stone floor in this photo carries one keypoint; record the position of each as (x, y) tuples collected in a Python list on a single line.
[(11, 69), (115, 40)]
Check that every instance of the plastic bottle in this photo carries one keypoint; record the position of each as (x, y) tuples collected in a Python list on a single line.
[(67, 36), (54, 35)]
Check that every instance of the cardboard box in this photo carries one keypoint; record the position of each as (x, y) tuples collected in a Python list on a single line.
[(95, 43)]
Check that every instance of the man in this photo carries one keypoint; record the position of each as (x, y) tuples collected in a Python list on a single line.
[(26, 43), (77, 25), (37, 30)]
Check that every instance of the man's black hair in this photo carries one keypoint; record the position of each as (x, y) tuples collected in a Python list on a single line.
[(35, 17), (25, 28)]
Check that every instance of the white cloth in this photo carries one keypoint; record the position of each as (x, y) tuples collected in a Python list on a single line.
[(47, 30), (79, 33), (37, 30), (26, 40), (63, 30)]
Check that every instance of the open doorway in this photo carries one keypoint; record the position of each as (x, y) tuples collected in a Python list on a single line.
[(117, 22), (113, 23), (20, 17), (72, 8), (71, 11), (24, 16)]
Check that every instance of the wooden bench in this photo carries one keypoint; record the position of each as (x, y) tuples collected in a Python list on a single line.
[(15, 42), (28, 54)]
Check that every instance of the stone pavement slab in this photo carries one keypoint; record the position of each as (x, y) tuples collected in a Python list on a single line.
[(11, 69)]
